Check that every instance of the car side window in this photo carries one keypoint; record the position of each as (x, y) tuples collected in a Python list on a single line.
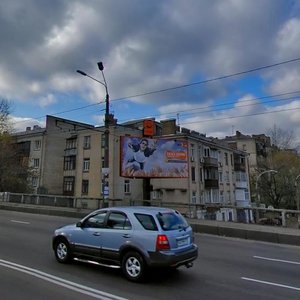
[(96, 221), (118, 220), (147, 221)]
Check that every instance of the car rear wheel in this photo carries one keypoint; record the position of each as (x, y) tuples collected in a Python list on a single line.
[(133, 266), (62, 251)]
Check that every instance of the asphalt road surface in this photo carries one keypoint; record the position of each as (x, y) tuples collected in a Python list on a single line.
[(227, 268)]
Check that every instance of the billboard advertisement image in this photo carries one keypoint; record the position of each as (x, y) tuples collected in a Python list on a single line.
[(153, 158)]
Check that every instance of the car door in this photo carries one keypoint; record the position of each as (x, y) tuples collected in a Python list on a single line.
[(87, 238), (118, 231)]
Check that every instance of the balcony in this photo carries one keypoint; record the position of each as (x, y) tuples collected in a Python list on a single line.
[(210, 162), (69, 152), (239, 166), (241, 184), (211, 183)]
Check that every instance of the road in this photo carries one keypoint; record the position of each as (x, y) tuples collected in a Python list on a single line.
[(227, 268)]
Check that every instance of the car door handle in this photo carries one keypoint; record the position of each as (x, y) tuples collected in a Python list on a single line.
[(126, 235), (96, 233)]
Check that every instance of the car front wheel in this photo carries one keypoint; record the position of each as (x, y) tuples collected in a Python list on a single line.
[(62, 251), (133, 266)]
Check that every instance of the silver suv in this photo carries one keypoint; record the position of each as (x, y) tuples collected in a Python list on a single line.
[(131, 238)]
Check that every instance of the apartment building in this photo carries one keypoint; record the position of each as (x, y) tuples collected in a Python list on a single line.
[(44, 150), (30, 145), (185, 166), (257, 146)]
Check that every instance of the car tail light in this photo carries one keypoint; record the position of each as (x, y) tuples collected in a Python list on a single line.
[(162, 242)]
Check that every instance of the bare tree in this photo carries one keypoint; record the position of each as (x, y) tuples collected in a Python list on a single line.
[(282, 139), (13, 171), (5, 125), (279, 189)]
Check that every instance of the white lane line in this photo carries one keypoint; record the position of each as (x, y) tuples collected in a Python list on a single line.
[(60, 281), (20, 222), (278, 260), (272, 283)]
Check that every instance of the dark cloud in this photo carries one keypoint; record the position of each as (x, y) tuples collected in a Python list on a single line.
[(145, 46)]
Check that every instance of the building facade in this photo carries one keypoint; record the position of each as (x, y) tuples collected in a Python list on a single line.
[(68, 159), (257, 146)]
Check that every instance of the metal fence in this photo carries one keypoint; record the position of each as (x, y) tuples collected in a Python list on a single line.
[(258, 215)]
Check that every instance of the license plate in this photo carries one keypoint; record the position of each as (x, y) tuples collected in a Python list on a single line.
[(182, 242)]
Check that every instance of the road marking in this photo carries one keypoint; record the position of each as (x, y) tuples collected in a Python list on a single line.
[(278, 260), (21, 222), (272, 283), (60, 281)]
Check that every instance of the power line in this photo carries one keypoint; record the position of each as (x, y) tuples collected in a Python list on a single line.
[(208, 80), (176, 87), (241, 116), (229, 103)]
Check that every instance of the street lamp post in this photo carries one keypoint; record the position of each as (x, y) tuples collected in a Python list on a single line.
[(105, 169), (256, 183)]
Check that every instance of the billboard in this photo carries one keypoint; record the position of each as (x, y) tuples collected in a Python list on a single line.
[(153, 158)]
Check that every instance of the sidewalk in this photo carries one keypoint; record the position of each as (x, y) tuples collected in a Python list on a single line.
[(273, 234)]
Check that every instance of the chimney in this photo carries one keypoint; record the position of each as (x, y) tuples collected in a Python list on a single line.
[(169, 127)]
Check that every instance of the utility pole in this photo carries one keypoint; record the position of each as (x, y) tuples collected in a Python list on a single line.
[(105, 169)]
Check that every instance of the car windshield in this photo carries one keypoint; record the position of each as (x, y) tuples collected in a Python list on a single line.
[(171, 221)]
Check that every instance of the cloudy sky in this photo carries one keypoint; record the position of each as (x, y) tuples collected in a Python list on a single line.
[(216, 66)]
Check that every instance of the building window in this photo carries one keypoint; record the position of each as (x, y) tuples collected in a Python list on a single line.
[(206, 152), (215, 196), (37, 144), (69, 183), (157, 194), (34, 181), (85, 187), (36, 162), (226, 158), (87, 142), (102, 161), (227, 177), (127, 186), (193, 174), (194, 197), (228, 197), (70, 162), (214, 153), (71, 143), (231, 159), (221, 196), (192, 153), (221, 177), (86, 165), (241, 176)]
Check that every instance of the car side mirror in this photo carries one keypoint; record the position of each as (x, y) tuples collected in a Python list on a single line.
[(79, 224)]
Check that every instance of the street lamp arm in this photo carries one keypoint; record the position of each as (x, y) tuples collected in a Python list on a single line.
[(267, 171), (85, 74)]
